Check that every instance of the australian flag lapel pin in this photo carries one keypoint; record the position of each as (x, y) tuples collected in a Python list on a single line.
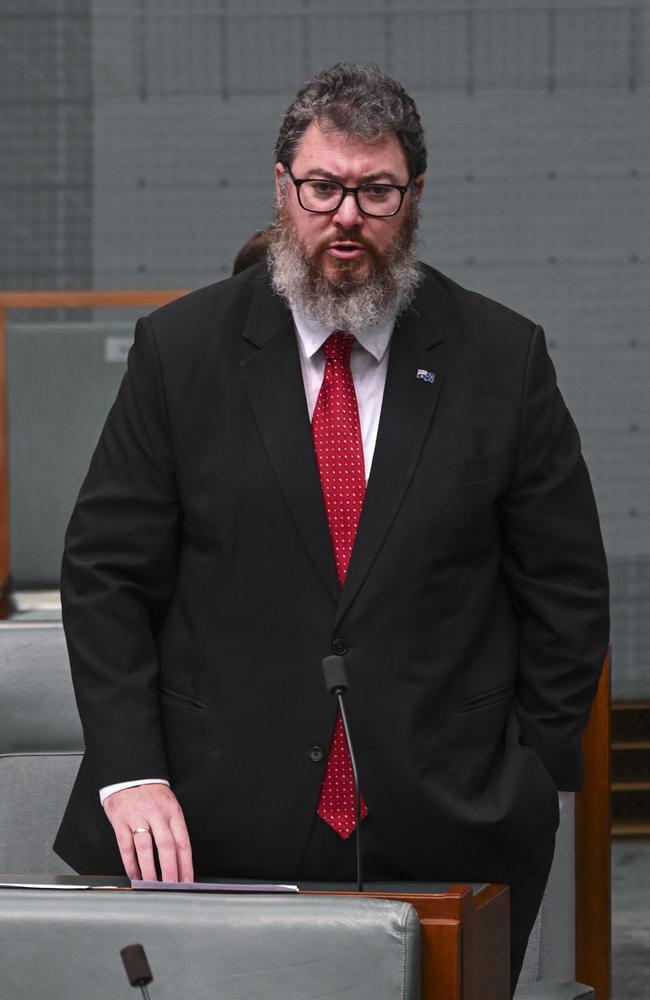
[(426, 376)]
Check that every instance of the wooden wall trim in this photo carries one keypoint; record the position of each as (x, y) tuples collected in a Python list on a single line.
[(95, 299), (593, 848)]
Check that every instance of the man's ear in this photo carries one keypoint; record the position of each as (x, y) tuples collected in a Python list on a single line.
[(280, 182), (419, 185)]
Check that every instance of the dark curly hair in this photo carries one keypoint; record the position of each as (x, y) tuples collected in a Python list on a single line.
[(360, 101)]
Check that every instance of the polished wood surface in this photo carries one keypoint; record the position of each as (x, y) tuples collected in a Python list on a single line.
[(123, 299), (486, 969), (465, 941), (593, 848)]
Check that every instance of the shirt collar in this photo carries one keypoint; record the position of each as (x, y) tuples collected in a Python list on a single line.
[(312, 335)]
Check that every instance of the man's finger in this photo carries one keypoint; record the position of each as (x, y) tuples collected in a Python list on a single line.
[(124, 838), (183, 848), (143, 843), (166, 847)]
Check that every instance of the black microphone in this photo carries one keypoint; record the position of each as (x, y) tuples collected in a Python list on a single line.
[(137, 967), (336, 682)]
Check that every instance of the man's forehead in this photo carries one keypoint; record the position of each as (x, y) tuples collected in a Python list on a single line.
[(339, 153)]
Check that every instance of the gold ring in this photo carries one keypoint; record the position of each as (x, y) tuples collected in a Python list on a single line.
[(141, 829)]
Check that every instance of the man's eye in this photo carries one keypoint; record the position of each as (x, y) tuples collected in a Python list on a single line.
[(378, 192), (323, 189)]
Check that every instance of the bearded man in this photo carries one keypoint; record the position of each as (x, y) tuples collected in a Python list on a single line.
[(345, 453)]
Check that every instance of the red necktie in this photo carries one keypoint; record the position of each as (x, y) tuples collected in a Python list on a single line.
[(339, 454)]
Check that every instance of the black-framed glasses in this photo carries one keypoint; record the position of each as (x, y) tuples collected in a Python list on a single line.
[(319, 194)]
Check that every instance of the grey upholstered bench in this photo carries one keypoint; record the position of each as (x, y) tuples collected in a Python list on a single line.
[(64, 945)]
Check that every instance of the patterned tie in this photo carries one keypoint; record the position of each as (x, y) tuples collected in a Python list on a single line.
[(339, 454)]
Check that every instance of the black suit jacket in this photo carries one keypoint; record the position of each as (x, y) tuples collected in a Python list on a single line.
[(200, 592)]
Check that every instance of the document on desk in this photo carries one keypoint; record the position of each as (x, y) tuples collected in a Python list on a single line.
[(99, 882), (55, 885), (212, 886)]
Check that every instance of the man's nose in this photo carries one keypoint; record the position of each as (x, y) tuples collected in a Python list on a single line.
[(348, 213)]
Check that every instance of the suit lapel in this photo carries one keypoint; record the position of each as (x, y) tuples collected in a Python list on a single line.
[(407, 412), (276, 392)]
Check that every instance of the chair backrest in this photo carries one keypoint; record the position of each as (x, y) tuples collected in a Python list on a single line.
[(551, 946), (64, 945), (571, 938), (41, 744)]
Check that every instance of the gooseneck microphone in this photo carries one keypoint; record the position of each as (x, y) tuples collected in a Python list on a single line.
[(137, 967), (336, 682)]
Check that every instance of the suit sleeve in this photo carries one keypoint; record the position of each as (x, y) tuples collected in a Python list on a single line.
[(118, 575), (556, 571)]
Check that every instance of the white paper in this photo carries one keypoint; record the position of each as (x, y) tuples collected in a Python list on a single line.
[(45, 885), (212, 886)]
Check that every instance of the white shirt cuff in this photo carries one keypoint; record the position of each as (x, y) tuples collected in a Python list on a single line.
[(109, 789)]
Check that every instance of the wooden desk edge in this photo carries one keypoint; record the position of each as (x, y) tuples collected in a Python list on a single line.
[(465, 939)]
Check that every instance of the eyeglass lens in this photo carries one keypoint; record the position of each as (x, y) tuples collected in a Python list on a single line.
[(326, 196)]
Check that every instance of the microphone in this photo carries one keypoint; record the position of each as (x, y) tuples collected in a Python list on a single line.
[(137, 967), (336, 682)]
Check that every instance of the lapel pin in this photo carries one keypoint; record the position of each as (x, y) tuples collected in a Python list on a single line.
[(425, 375)]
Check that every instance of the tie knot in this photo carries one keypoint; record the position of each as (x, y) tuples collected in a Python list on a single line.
[(338, 346)]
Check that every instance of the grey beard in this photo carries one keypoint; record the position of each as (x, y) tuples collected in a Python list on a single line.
[(347, 305)]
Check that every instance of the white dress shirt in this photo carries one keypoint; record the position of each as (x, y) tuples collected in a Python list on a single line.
[(368, 364)]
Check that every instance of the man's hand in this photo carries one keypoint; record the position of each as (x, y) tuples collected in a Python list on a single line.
[(148, 815)]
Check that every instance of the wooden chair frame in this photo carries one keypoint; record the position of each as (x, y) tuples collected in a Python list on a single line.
[(593, 847)]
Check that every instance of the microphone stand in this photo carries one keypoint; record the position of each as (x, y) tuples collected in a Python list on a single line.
[(336, 682), (357, 793)]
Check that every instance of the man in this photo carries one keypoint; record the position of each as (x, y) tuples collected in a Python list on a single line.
[(349, 454)]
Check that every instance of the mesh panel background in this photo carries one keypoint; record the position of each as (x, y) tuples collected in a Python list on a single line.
[(137, 151)]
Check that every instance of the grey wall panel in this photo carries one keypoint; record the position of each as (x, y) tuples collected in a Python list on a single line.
[(45, 136), (61, 385), (631, 623)]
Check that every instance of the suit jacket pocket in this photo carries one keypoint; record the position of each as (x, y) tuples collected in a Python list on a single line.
[(184, 720), (484, 699), (178, 700), (465, 472)]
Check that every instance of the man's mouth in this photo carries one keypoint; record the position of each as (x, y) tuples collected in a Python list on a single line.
[(346, 249)]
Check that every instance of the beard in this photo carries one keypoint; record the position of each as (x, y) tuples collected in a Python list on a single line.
[(344, 300)]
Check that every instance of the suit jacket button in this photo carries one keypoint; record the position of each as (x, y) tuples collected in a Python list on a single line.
[(339, 647), (316, 754)]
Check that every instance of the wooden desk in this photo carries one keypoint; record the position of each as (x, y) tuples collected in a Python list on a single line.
[(465, 941)]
